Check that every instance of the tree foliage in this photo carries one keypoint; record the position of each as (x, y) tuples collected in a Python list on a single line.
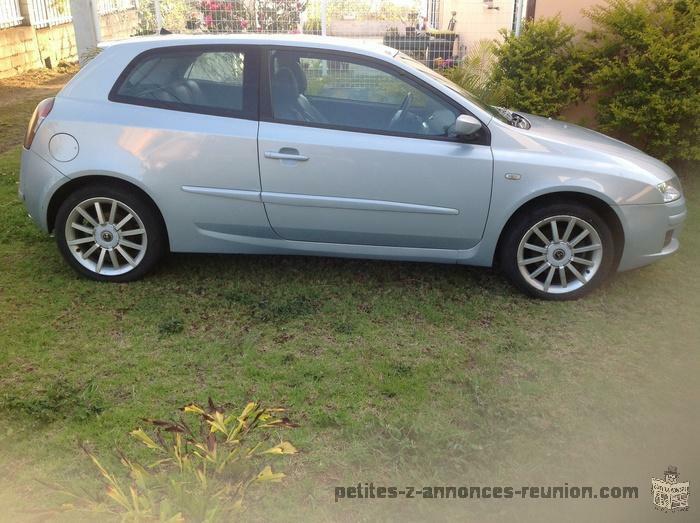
[(542, 70), (647, 74)]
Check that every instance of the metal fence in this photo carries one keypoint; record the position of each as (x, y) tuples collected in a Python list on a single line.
[(436, 32), (44, 13), (10, 13), (105, 7)]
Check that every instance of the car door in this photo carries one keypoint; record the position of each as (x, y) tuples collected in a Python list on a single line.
[(354, 151), (191, 137)]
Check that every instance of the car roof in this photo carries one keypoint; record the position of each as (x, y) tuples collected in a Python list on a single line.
[(367, 47)]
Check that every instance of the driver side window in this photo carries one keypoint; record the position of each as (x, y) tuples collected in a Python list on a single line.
[(338, 92)]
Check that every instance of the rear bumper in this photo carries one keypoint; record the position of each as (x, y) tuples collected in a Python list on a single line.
[(651, 232), (38, 181)]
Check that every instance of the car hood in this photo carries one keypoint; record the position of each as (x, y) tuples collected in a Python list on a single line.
[(617, 157)]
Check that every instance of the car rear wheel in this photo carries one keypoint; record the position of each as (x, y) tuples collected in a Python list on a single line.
[(558, 252), (109, 234)]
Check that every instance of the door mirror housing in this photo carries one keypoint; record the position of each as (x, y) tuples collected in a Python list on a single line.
[(466, 125)]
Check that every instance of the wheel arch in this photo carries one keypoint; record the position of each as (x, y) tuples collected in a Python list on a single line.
[(599, 205), (74, 184)]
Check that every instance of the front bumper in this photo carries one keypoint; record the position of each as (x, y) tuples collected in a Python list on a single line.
[(38, 181), (651, 232)]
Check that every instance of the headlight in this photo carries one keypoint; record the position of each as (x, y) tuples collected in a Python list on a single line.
[(670, 190)]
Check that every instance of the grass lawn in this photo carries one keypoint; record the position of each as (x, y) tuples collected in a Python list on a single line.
[(396, 372)]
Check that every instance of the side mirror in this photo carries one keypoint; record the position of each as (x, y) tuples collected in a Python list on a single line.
[(466, 125)]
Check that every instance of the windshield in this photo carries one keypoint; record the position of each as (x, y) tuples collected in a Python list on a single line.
[(501, 115)]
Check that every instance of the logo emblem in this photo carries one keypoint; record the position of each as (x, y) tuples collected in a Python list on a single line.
[(670, 495)]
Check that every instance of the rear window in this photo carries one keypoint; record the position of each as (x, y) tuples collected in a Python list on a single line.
[(193, 79)]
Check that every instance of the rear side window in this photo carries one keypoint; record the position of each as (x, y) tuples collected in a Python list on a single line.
[(219, 80)]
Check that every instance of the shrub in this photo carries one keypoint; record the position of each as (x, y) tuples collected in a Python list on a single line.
[(199, 472), (177, 16), (541, 71), (225, 16), (222, 16), (474, 73), (279, 16), (647, 55)]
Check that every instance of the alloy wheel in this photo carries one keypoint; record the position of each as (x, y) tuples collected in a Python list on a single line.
[(106, 236), (559, 254)]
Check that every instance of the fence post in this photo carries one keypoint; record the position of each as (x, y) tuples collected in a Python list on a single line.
[(159, 16), (518, 16), (96, 18), (86, 26), (324, 4)]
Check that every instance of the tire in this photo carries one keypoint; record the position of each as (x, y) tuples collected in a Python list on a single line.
[(563, 268), (121, 245)]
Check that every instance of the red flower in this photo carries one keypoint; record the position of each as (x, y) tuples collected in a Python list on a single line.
[(208, 20)]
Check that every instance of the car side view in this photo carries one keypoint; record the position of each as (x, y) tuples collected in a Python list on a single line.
[(264, 144)]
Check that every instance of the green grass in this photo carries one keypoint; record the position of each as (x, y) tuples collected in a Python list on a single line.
[(395, 371)]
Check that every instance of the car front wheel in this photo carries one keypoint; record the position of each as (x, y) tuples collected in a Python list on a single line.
[(558, 251), (109, 234)]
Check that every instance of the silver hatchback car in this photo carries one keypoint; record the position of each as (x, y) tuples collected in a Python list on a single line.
[(317, 146)]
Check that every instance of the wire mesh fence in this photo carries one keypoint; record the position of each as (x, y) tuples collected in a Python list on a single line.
[(437, 32)]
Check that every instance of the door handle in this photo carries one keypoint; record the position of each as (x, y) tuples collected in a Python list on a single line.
[(288, 154)]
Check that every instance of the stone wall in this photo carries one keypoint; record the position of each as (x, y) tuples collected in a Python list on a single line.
[(25, 47), (18, 50), (116, 26), (56, 44)]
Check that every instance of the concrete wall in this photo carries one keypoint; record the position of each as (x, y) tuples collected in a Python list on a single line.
[(25, 47), (570, 11), (116, 26), (360, 28), (18, 50), (475, 21), (56, 44)]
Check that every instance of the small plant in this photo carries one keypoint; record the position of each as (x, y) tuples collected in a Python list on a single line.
[(200, 471), (171, 326), (312, 25)]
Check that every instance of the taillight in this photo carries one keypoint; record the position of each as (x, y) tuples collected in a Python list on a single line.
[(40, 113)]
